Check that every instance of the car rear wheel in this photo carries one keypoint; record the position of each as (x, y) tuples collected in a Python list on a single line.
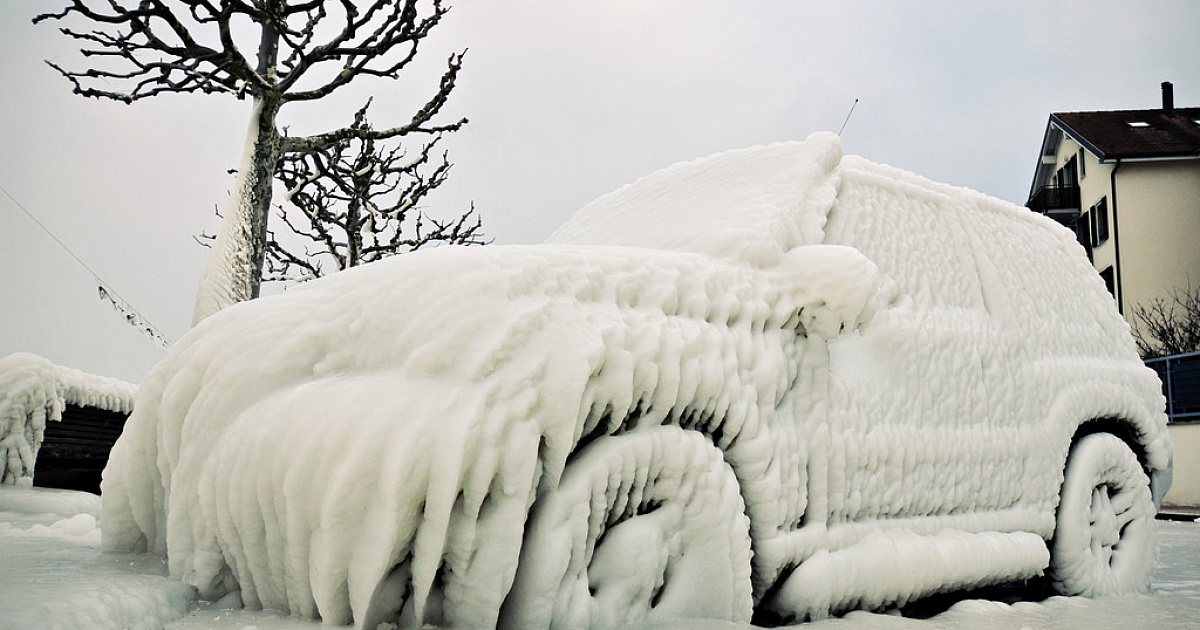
[(644, 525), (1103, 541)]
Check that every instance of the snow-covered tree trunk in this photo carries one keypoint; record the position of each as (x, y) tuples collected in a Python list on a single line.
[(233, 271)]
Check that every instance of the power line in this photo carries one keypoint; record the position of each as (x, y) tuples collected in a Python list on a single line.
[(132, 316)]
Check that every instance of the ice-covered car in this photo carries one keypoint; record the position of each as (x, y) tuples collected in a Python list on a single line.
[(776, 380)]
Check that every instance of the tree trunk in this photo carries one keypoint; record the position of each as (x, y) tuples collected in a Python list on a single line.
[(234, 268), (360, 181), (233, 271)]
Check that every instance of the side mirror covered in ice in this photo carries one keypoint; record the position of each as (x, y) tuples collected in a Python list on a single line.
[(830, 288)]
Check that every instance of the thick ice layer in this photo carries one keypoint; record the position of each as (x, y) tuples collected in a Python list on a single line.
[(61, 503), (751, 205), (54, 577), (875, 362), (326, 441), (34, 391), (230, 265)]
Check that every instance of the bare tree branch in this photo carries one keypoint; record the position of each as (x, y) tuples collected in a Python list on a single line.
[(138, 38), (358, 201), (277, 52), (1168, 326), (418, 124)]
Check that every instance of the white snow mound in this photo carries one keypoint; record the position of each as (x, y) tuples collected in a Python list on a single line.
[(704, 381)]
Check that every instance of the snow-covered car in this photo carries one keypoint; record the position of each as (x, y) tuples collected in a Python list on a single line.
[(776, 381)]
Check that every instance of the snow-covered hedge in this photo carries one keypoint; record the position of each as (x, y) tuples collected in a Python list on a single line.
[(34, 391)]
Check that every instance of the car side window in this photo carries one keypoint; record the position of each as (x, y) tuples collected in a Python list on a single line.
[(911, 233)]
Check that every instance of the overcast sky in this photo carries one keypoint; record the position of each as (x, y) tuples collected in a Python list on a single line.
[(567, 101)]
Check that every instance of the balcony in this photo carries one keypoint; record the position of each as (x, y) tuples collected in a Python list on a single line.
[(1060, 203)]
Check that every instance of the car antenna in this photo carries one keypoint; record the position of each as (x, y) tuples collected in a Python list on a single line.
[(852, 106)]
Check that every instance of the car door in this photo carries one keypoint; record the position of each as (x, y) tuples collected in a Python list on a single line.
[(910, 411)]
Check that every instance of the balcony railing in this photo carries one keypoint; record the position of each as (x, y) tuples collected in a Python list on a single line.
[(1060, 203), (1180, 375)]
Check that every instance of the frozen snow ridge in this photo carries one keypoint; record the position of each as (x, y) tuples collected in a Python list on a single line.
[(738, 384), (34, 391)]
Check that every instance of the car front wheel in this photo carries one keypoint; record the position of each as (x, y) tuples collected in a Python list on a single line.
[(644, 525)]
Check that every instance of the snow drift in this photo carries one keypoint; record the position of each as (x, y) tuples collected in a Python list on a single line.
[(740, 376), (34, 391)]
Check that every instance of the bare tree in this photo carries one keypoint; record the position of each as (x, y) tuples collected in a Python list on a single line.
[(1169, 326), (304, 50), (357, 201)]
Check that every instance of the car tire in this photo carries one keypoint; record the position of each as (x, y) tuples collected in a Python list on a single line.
[(1104, 536), (644, 525)]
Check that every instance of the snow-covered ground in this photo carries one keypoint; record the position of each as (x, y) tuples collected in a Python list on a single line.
[(53, 575)]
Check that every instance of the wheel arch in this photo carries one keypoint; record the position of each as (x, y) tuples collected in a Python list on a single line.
[(1128, 432), (1121, 427), (742, 447), (1129, 411), (1126, 403)]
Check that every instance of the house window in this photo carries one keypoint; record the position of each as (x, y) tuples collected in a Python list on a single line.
[(1083, 232), (1100, 222), (1082, 165), (1068, 175), (1109, 281)]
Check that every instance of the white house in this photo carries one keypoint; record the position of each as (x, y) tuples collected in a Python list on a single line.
[(1128, 181)]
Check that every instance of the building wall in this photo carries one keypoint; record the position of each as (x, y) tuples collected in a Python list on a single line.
[(1185, 489), (1094, 183), (1158, 206), (1094, 188)]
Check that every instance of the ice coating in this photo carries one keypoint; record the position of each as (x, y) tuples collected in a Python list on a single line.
[(230, 264), (34, 391), (872, 360), (750, 205), (54, 577)]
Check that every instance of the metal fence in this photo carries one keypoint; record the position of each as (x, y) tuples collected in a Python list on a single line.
[(1180, 376)]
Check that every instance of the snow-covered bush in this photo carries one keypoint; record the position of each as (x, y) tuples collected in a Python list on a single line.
[(34, 391), (772, 380)]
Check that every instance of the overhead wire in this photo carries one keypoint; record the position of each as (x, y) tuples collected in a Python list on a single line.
[(105, 289)]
